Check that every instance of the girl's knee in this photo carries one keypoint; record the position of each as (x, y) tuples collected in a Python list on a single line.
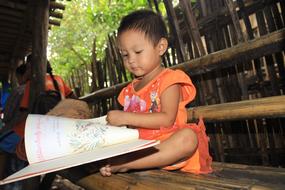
[(189, 139)]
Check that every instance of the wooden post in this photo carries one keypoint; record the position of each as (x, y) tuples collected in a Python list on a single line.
[(40, 19)]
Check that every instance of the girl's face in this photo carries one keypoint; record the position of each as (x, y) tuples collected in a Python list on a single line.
[(139, 54)]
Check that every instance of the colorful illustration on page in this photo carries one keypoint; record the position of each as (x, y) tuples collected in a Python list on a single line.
[(87, 136)]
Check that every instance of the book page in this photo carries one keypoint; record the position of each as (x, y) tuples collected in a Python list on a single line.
[(78, 159), (49, 137)]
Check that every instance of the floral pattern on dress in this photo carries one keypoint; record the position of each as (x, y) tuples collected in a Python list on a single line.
[(134, 104), (154, 107)]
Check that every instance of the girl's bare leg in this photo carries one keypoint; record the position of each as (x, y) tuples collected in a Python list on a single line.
[(180, 145)]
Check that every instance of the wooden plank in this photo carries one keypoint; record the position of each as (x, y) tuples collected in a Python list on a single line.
[(257, 108), (13, 5), (11, 12), (225, 176)]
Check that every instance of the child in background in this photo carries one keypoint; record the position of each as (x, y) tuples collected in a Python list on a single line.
[(154, 103)]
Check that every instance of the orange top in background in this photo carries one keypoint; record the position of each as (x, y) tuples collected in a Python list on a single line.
[(64, 90)]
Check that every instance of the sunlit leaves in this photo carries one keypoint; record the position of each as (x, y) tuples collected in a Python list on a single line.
[(71, 44)]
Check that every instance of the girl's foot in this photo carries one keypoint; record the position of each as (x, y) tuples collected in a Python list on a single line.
[(108, 170)]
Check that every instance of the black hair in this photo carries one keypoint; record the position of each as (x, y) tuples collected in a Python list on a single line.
[(21, 70), (29, 58), (146, 21), (49, 71)]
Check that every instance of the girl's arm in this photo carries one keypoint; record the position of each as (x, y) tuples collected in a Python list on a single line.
[(169, 107)]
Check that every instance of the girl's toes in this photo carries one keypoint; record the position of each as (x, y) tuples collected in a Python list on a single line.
[(106, 171)]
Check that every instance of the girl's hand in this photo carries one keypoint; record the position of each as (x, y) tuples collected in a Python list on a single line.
[(116, 118)]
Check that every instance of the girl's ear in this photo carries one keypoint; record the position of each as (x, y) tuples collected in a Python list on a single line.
[(162, 46)]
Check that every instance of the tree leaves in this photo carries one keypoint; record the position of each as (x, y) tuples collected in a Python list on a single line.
[(70, 44)]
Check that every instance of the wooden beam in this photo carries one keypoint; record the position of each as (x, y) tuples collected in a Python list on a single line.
[(54, 22), (13, 32), (11, 12), (9, 25), (13, 5), (56, 14), (240, 53), (247, 109), (4, 66), (9, 31), (10, 19), (56, 5)]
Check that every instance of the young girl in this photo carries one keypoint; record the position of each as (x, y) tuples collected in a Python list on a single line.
[(154, 102)]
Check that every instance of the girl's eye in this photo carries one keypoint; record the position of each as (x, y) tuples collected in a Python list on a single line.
[(124, 55), (138, 52)]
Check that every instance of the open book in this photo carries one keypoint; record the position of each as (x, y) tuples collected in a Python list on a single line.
[(55, 143)]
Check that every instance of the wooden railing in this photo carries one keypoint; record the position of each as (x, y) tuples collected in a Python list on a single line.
[(269, 107)]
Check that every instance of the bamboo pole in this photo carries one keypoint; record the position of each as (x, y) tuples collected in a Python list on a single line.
[(257, 108), (249, 50)]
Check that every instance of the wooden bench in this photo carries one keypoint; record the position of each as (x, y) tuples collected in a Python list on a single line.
[(225, 176)]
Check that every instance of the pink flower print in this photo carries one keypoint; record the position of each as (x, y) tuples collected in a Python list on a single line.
[(142, 105), (133, 104), (127, 102), (154, 102)]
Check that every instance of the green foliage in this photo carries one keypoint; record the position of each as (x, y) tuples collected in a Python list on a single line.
[(70, 44)]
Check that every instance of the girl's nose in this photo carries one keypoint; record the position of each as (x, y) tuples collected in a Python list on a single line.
[(131, 59)]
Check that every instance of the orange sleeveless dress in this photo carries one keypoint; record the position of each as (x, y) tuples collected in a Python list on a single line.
[(147, 100)]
